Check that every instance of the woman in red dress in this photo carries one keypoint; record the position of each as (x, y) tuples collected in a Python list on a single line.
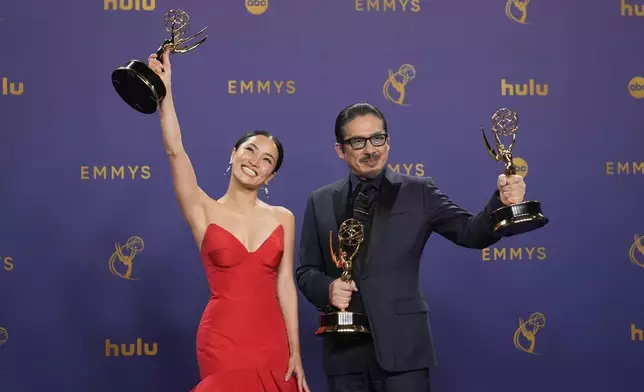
[(247, 339)]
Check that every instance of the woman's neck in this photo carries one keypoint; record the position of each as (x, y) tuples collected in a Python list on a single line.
[(239, 198)]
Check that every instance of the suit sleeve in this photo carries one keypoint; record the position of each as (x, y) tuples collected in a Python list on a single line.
[(311, 274), (458, 225)]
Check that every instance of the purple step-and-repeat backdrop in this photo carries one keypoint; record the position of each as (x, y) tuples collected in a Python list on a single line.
[(83, 176)]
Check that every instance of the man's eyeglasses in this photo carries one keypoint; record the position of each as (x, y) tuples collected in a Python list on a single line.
[(358, 142)]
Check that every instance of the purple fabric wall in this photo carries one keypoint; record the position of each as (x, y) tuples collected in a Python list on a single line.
[(580, 132)]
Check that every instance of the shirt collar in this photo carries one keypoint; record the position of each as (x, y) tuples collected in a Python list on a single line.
[(376, 181)]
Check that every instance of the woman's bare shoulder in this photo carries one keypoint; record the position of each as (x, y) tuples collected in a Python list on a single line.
[(282, 214)]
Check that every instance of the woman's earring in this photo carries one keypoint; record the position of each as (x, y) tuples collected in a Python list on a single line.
[(228, 169), (266, 191)]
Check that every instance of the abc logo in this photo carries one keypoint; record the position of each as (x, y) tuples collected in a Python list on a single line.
[(256, 7), (636, 87), (521, 166)]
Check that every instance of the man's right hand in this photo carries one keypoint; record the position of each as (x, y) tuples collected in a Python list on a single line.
[(340, 293)]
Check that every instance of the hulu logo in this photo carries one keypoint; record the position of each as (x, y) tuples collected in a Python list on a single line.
[(130, 349), (11, 88), (636, 333), (129, 5), (629, 10), (524, 89)]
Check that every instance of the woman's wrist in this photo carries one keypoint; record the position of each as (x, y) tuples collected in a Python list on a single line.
[(295, 351)]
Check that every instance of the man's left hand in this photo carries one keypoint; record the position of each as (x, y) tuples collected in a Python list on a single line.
[(511, 188)]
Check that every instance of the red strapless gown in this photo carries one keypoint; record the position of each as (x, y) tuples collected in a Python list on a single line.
[(242, 343)]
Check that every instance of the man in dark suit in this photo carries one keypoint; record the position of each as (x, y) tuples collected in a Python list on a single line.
[(399, 213)]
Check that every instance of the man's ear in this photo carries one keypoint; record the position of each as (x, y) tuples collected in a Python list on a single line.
[(339, 149)]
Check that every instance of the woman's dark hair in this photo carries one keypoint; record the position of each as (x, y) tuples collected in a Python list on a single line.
[(350, 112), (278, 144)]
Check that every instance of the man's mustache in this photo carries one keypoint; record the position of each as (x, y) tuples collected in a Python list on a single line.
[(370, 156)]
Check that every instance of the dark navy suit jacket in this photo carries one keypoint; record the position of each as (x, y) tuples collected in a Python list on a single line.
[(410, 209)]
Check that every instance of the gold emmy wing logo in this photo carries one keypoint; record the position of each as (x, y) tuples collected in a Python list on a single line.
[(396, 84), (636, 87), (122, 260), (4, 336), (524, 336), (636, 252), (256, 7), (517, 10)]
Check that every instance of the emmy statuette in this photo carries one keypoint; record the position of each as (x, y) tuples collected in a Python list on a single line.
[(136, 83), (350, 236), (521, 217)]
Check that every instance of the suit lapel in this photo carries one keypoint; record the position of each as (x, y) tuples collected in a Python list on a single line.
[(389, 191), (340, 197)]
